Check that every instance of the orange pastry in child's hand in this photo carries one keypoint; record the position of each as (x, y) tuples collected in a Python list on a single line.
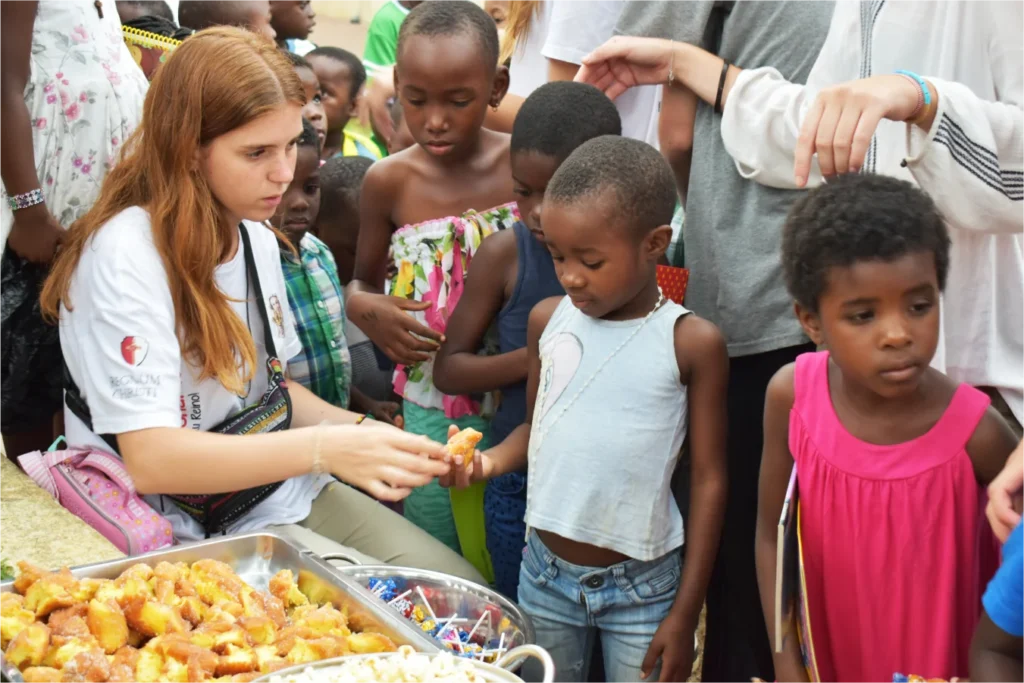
[(464, 444)]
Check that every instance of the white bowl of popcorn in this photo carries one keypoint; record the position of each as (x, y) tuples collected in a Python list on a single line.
[(409, 666)]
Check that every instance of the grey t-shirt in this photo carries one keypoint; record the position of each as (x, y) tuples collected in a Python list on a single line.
[(733, 228)]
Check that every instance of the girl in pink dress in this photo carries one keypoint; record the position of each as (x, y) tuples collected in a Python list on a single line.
[(890, 454)]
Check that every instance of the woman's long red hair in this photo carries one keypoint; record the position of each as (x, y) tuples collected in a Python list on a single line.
[(214, 82)]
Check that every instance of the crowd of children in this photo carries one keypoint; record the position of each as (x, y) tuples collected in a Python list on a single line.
[(445, 276)]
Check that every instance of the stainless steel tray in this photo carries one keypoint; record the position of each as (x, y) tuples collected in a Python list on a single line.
[(492, 673), (256, 557)]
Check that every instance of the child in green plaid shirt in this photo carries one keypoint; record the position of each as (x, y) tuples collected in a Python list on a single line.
[(315, 293)]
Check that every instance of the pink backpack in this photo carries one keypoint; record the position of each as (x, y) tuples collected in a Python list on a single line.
[(95, 487)]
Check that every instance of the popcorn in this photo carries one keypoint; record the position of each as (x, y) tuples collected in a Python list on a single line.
[(406, 666)]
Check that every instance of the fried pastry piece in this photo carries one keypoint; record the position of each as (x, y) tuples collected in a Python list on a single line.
[(215, 582), (47, 594), (273, 607), (283, 587), (368, 643), (201, 665), (301, 652), (40, 674), (237, 660), (72, 627), (29, 647), (85, 590), (329, 646), (464, 444), (92, 666), (149, 667), (322, 620), (13, 617), (58, 617), (108, 624), (261, 630), (151, 618), (28, 574), (63, 649)]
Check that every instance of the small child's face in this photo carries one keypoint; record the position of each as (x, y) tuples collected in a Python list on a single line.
[(445, 87), (601, 261), (314, 109), (336, 85), (880, 322), (292, 19), (301, 202), (531, 173)]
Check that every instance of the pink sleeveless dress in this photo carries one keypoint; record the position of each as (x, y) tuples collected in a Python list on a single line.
[(895, 548)]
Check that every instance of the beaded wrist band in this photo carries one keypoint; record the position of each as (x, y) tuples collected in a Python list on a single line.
[(25, 200), (924, 95)]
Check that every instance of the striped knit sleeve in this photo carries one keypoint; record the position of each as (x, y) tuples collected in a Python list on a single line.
[(972, 160)]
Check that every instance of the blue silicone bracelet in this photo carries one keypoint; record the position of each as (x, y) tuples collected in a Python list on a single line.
[(925, 91)]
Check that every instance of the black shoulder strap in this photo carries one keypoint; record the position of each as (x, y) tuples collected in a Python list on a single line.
[(261, 304), (73, 396)]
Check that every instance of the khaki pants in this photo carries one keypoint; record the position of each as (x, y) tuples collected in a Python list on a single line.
[(999, 403), (344, 520)]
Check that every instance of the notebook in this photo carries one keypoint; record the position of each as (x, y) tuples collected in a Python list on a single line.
[(790, 583)]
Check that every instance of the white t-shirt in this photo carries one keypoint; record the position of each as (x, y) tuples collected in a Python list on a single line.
[(122, 349), (577, 28), (529, 68)]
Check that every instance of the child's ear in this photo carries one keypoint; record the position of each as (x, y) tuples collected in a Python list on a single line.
[(811, 322), (500, 88), (657, 242)]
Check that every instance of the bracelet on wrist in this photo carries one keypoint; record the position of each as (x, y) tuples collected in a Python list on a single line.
[(318, 464), (924, 95), (25, 200)]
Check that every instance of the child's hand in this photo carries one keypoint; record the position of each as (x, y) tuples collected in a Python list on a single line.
[(673, 645), (463, 474), (1004, 492), (404, 339), (384, 411)]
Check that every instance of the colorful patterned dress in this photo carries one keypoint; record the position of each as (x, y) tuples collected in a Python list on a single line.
[(431, 260)]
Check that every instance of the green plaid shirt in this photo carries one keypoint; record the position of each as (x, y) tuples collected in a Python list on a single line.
[(318, 304)]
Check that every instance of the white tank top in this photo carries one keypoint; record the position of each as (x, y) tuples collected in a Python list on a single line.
[(600, 472)]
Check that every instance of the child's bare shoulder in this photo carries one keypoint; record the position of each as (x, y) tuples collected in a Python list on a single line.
[(699, 343), (781, 388), (990, 445)]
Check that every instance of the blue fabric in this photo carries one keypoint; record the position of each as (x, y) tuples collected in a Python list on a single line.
[(535, 282), (505, 497), (1004, 597), (570, 606)]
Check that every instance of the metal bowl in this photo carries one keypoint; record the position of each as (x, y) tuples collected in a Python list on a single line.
[(449, 595), (492, 673)]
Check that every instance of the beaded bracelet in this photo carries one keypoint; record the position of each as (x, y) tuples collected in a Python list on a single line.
[(25, 200), (924, 95)]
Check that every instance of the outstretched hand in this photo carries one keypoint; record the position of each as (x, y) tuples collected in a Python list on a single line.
[(625, 62), (463, 474)]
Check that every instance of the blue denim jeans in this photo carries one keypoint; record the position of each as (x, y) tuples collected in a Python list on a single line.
[(569, 605)]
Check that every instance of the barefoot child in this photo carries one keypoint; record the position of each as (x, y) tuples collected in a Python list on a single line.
[(433, 204), (890, 454), (616, 374), (514, 272)]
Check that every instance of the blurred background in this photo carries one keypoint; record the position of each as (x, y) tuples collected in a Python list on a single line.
[(344, 22)]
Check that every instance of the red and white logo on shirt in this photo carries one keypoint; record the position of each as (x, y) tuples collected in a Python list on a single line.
[(134, 350)]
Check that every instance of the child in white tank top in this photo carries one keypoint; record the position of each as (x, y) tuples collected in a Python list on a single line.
[(616, 374)]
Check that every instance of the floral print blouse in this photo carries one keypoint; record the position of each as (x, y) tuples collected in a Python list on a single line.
[(84, 96), (432, 259)]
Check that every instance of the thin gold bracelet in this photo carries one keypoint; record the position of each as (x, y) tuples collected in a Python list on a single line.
[(671, 62), (318, 463)]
